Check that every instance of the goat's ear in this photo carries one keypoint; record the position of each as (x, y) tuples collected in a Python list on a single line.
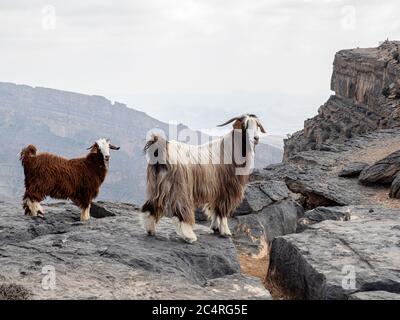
[(238, 124), (112, 147), (94, 147), (261, 128)]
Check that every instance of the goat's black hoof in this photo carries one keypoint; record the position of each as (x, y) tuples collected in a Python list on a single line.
[(215, 230), (151, 233), (225, 235)]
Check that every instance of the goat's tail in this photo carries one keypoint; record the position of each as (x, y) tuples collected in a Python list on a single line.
[(26, 153)]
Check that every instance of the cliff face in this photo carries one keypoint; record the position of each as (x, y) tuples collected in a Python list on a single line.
[(366, 83), (363, 74)]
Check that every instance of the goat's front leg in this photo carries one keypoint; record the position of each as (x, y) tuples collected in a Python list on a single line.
[(150, 217), (149, 223), (85, 213), (224, 228)]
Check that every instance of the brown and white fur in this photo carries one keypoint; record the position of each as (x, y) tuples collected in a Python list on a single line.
[(76, 179), (185, 177)]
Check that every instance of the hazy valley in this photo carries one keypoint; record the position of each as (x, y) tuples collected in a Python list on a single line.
[(66, 123)]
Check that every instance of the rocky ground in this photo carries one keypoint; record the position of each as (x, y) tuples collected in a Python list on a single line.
[(111, 257), (301, 229), (319, 263)]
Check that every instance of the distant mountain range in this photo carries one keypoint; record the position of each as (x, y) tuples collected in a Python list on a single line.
[(66, 123)]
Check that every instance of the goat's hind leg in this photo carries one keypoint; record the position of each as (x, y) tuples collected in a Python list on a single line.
[(32, 206), (184, 222), (215, 220), (184, 230), (222, 213)]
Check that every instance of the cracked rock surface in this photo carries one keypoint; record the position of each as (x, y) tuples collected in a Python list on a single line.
[(314, 264), (113, 258)]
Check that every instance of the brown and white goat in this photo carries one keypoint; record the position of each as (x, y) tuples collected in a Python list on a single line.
[(76, 179), (182, 177)]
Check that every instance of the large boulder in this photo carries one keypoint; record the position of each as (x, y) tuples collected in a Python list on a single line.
[(352, 169), (254, 232), (383, 171), (321, 214), (259, 195), (266, 212), (335, 259), (113, 258)]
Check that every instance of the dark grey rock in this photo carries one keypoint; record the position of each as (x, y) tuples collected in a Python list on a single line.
[(254, 232), (99, 210), (313, 174), (267, 211), (313, 264), (113, 258), (383, 171), (276, 190), (395, 187), (353, 169), (254, 200), (321, 214), (261, 194)]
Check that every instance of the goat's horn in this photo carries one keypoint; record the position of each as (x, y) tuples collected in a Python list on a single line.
[(229, 121), (112, 147), (90, 147)]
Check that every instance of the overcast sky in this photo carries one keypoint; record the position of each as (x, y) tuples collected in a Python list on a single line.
[(191, 61)]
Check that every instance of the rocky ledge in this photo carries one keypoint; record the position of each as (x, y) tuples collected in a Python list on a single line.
[(340, 259), (350, 230), (111, 257)]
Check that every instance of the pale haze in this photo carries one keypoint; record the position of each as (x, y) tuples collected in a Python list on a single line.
[(192, 62)]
